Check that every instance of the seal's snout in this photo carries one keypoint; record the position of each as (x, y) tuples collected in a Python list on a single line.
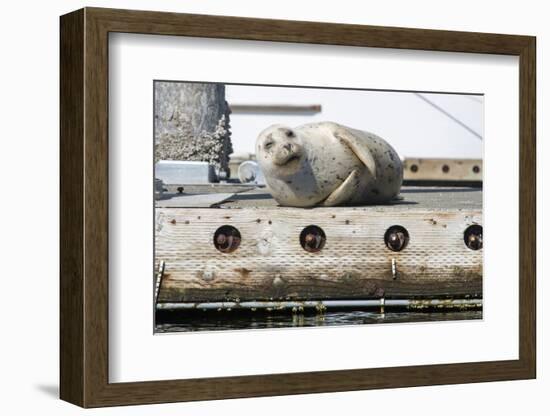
[(286, 153)]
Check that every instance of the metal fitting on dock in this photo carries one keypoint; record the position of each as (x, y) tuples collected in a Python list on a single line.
[(313, 239), (473, 237), (327, 304), (396, 238), (227, 239)]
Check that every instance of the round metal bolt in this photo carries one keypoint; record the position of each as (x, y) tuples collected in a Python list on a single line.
[(445, 168), (414, 168), (396, 238), (312, 239), (473, 237), (227, 239), (476, 169)]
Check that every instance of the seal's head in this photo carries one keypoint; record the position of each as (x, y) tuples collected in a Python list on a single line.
[(280, 150)]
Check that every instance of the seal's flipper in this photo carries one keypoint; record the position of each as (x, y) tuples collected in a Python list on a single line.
[(345, 192), (359, 147)]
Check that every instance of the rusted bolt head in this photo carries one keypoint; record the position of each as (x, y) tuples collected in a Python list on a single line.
[(445, 168), (396, 238), (221, 239), (414, 168), (473, 237), (227, 239), (312, 239)]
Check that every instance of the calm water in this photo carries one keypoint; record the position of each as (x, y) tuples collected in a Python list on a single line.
[(216, 321)]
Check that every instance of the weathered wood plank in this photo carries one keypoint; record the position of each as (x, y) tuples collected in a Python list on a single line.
[(451, 170), (270, 262)]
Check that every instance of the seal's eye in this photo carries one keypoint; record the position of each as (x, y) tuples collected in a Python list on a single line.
[(268, 145), (289, 133)]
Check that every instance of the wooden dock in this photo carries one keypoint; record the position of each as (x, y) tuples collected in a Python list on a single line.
[(350, 258)]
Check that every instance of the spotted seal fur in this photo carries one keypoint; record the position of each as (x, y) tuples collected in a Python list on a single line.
[(328, 164)]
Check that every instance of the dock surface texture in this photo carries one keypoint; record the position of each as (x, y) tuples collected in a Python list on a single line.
[(353, 262)]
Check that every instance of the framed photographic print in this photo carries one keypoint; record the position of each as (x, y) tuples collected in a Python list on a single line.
[(255, 207)]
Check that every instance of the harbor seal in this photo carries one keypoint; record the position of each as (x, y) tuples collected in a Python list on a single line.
[(327, 164)]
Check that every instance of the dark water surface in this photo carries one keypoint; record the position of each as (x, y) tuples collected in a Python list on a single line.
[(212, 321)]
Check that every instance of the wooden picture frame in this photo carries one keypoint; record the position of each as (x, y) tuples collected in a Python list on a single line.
[(84, 207)]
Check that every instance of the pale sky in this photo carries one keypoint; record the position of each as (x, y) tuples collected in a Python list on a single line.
[(410, 123)]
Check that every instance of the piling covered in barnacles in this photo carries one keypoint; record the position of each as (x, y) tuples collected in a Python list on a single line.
[(192, 123)]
